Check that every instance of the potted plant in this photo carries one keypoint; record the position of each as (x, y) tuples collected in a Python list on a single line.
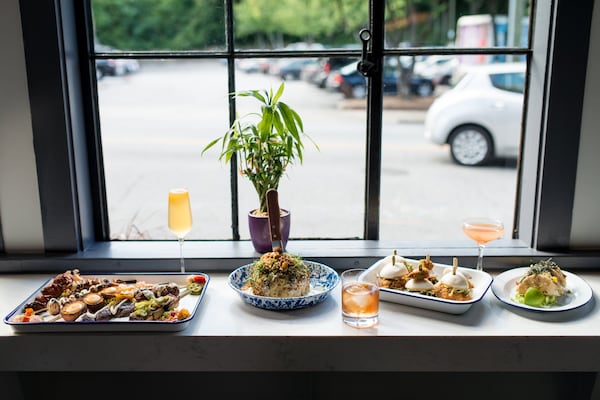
[(266, 143)]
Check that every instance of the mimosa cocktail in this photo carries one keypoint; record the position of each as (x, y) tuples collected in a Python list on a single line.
[(180, 217)]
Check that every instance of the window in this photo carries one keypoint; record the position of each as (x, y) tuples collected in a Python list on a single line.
[(513, 82), (71, 172), (155, 119)]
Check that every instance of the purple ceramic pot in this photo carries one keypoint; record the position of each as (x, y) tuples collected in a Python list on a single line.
[(259, 230)]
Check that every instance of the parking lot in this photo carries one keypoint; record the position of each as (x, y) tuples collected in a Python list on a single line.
[(156, 121)]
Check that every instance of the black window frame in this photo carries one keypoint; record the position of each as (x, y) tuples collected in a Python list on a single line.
[(61, 76), (377, 54)]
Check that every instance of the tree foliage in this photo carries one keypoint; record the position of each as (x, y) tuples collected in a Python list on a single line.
[(159, 24), (200, 24)]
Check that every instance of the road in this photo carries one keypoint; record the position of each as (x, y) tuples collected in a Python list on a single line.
[(156, 122)]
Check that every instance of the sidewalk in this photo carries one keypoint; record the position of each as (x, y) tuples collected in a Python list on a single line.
[(412, 109)]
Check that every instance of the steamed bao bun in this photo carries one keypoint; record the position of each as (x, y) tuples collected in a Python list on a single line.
[(419, 285), (394, 273), (457, 281), (454, 285), (448, 270)]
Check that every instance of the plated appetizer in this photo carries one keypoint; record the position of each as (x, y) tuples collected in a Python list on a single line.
[(399, 273), (440, 287), (394, 273), (422, 277), (70, 297), (454, 285), (542, 285), (278, 274)]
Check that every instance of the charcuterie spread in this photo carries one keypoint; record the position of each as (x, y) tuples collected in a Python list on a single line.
[(71, 297)]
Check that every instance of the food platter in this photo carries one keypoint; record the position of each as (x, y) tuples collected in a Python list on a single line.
[(579, 292), (481, 283), (190, 303), (323, 280)]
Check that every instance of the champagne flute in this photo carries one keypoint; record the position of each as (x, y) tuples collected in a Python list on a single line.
[(180, 217), (482, 230)]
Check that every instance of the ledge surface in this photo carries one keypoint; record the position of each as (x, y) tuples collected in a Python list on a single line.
[(229, 335)]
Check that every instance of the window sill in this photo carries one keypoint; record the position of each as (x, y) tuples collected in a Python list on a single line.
[(162, 256)]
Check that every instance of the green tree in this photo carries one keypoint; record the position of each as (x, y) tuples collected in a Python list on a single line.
[(159, 24), (273, 21)]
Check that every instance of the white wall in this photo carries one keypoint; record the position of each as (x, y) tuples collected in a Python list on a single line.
[(19, 198), (586, 210)]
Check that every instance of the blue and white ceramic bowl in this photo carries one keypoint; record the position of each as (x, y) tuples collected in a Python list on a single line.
[(323, 280)]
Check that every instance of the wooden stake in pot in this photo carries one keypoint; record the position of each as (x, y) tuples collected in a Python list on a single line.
[(274, 220)]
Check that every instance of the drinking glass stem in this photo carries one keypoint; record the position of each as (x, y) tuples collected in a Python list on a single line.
[(480, 257), (181, 254)]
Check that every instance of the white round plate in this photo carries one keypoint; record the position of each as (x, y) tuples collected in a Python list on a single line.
[(323, 280), (504, 287)]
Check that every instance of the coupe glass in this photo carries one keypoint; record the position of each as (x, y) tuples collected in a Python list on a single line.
[(482, 231), (180, 217)]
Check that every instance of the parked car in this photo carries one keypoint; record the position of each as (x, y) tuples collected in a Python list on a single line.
[(114, 66), (354, 85), (480, 118), (329, 67), (289, 69), (438, 68)]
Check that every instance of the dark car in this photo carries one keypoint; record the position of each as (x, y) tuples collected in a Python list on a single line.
[(329, 67), (113, 66), (289, 69), (353, 85)]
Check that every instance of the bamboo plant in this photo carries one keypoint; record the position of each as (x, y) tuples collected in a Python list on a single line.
[(265, 142)]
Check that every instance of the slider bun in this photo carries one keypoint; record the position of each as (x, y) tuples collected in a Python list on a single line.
[(419, 285), (458, 281)]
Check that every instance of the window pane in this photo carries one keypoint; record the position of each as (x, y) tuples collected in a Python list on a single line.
[(453, 154), (326, 193), (154, 125), (159, 24), (481, 24), (299, 25)]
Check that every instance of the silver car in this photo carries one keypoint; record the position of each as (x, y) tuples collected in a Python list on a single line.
[(480, 117)]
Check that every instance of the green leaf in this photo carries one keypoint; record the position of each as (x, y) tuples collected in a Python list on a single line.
[(279, 93), (297, 119), (211, 144), (266, 123), (278, 123), (288, 118), (252, 93)]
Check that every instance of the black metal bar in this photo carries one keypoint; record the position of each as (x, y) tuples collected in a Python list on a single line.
[(92, 116), (305, 54), (233, 171), (374, 110), (564, 109)]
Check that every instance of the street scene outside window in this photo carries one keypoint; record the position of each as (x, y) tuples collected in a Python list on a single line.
[(451, 121)]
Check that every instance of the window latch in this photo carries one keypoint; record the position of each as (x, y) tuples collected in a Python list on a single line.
[(366, 66)]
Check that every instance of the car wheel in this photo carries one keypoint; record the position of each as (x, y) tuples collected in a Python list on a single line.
[(359, 91), (424, 89), (471, 145)]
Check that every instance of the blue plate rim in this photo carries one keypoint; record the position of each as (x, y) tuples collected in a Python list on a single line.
[(324, 293)]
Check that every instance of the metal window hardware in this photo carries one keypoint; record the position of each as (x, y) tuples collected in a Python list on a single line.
[(366, 66)]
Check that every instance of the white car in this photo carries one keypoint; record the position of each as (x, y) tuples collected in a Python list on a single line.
[(480, 118), (438, 68)]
